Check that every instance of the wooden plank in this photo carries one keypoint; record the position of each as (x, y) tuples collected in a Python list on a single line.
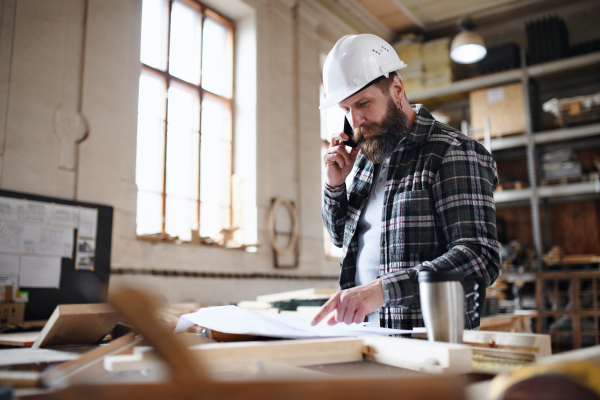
[(540, 344), (410, 388), (73, 324), (89, 365), (139, 310), (19, 339), (420, 355), (295, 352), (304, 294)]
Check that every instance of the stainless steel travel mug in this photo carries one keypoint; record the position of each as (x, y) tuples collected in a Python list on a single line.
[(443, 303)]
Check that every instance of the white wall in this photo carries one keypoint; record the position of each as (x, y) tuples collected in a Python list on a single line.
[(82, 58)]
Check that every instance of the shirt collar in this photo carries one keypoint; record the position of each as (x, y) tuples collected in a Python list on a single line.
[(423, 125)]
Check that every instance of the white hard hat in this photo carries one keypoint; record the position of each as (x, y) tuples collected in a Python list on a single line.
[(353, 63)]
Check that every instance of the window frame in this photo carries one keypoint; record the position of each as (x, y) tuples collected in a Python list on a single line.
[(228, 102)]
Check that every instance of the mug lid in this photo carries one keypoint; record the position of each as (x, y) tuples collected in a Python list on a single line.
[(440, 276)]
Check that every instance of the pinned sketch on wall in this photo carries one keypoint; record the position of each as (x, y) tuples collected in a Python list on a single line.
[(88, 222), (86, 253), (12, 209), (37, 212), (40, 272), (64, 215), (11, 237), (9, 268)]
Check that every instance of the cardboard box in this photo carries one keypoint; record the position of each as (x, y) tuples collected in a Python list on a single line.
[(503, 105), (11, 313)]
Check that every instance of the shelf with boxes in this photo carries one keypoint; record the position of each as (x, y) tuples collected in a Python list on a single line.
[(505, 109), (550, 69)]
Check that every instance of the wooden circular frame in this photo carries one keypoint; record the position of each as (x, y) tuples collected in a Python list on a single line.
[(272, 236)]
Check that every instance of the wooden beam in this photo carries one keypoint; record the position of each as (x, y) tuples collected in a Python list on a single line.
[(89, 365), (72, 324), (139, 309), (410, 388), (540, 345), (419, 355)]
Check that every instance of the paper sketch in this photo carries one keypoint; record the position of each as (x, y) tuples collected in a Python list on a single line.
[(64, 215), (88, 222), (40, 272), (12, 209), (11, 238), (36, 211), (232, 319), (9, 268)]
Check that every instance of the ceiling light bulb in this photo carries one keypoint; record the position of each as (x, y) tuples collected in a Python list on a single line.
[(468, 46)]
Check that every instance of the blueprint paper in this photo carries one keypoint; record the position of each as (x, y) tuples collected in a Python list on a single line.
[(235, 320)]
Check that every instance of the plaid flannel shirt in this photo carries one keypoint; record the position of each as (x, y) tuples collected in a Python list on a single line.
[(438, 214)]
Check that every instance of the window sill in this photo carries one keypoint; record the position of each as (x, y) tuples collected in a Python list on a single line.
[(197, 241)]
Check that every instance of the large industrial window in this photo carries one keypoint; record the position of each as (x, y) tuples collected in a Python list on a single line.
[(184, 138), (332, 121)]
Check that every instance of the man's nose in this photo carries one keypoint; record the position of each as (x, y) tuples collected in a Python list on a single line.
[(356, 119)]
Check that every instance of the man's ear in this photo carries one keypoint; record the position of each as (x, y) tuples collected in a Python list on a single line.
[(397, 90)]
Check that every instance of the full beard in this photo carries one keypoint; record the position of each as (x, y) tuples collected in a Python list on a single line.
[(383, 136)]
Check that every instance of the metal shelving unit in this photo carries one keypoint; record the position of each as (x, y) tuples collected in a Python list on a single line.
[(513, 75), (529, 139)]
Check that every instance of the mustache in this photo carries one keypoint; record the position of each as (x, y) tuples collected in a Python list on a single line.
[(372, 130)]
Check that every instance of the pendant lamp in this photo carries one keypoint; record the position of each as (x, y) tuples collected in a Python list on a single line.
[(468, 46)]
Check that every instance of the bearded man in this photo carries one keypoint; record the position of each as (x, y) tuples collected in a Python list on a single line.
[(421, 198)]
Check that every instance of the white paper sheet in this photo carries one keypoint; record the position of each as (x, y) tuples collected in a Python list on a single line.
[(9, 267), (36, 211), (88, 222), (40, 272), (11, 237), (55, 241), (12, 209), (232, 319), (64, 215)]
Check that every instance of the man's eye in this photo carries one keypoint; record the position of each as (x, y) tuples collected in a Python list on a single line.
[(365, 104)]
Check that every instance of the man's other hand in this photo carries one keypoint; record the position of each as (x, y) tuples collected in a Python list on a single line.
[(338, 162), (352, 305)]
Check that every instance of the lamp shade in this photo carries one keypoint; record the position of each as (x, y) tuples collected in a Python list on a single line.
[(467, 47)]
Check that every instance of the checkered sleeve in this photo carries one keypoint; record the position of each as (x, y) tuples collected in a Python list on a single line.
[(334, 214), (463, 197)]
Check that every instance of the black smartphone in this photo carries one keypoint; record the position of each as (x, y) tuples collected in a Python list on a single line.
[(350, 132)]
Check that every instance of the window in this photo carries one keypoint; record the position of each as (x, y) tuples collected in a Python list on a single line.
[(332, 121), (184, 138)]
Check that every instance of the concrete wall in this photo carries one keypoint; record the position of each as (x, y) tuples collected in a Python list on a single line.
[(69, 72)]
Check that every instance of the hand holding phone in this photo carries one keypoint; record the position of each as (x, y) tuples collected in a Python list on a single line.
[(350, 132), (338, 161)]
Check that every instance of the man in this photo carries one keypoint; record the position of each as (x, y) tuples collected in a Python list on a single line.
[(421, 199)]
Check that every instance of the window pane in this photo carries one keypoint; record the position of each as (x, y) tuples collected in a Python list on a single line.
[(151, 133), (183, 143), (332, 120), (154, 33), (149, 212), (184, 106), (216, 119), (216, 58), (181, 217), (184, 56), (215, 179)]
